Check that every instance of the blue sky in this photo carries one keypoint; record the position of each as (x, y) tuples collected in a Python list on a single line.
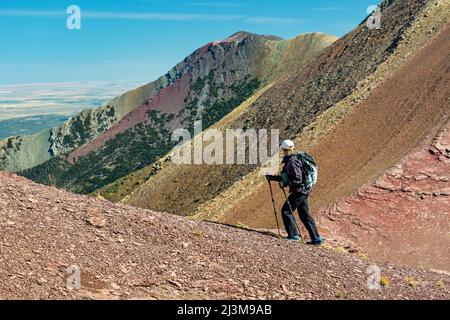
[(139, 40)]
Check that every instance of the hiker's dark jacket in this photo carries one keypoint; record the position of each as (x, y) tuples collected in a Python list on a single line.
[(294, 169)]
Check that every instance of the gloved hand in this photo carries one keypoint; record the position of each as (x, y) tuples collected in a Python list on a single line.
[(273, 178), (284, 180)]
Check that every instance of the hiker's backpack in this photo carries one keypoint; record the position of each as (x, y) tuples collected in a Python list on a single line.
[(310, 170)]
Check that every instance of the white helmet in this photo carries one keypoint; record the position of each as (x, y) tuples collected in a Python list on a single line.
[(287, 145)]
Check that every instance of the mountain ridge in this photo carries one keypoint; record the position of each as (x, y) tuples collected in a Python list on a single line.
[(217, 78), (54, 140)]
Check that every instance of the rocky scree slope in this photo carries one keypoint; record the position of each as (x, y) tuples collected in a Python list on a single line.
[(129, 253)]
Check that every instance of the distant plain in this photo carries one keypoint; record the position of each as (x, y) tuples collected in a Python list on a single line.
[(29, 108)]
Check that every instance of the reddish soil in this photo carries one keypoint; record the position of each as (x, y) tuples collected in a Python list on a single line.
[(169, 100), (128, 253), (411, 105), (404, 215)]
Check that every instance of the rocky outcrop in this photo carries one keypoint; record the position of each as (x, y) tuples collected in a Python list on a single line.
[(404, 215)]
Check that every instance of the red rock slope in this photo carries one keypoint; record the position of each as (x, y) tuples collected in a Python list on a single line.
[(169, 100), (127, 253), (405, 214)]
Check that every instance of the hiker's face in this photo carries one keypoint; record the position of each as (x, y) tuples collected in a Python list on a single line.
[(285, 152)]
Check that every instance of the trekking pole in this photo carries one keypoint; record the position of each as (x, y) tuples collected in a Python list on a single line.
[(292, 211), (274, 208)]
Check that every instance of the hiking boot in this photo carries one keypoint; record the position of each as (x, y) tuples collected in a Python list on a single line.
[(293, 238), (316, 242)]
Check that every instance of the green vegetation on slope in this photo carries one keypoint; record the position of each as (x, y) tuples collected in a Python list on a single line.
[(144, 142), (214, 108), (219, 109)]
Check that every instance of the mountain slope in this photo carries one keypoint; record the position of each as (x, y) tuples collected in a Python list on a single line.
[(403, 106), (290, 105), (215, 79), (128, 253), (122, 188)]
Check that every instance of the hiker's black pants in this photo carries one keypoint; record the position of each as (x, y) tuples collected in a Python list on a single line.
[(299, 201)]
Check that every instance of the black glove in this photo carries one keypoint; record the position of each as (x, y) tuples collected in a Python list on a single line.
[(273, 178)]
